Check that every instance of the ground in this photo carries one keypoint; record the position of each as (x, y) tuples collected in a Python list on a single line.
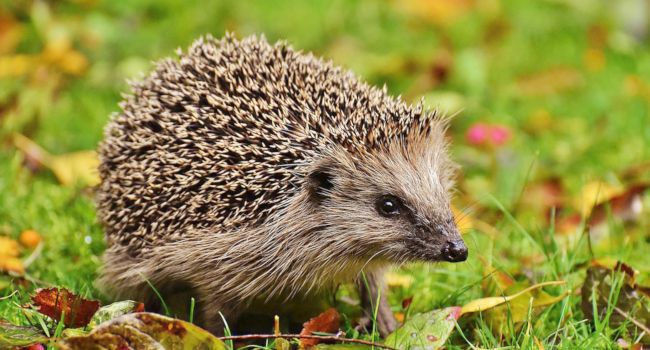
[(551, 102)]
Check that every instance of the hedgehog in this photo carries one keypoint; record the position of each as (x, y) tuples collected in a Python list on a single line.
[(247, 172)]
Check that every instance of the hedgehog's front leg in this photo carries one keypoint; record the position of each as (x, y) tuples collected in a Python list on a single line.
[(215, 316), (372, 290)]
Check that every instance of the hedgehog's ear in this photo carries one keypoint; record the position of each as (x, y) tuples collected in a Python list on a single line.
[(319, 183)]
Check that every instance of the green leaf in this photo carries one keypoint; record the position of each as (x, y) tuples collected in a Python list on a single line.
[(115, 310), (144, 331), (17, 336), (427, 331)]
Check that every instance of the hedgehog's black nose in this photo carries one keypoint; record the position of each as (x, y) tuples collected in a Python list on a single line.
[(455, 251)]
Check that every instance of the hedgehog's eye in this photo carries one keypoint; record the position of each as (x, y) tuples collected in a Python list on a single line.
[(389, 205)]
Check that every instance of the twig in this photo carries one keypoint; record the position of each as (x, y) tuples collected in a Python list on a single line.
[(637, 323), (291, 336), (34, 255), (9, 296)]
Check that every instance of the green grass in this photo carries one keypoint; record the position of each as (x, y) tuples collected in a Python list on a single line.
[(593, 129)]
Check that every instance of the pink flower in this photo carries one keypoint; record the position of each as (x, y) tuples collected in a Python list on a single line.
[(499, 134), (477, 134), (493, 135)]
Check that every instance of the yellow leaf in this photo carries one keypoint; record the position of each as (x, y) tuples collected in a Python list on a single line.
[(9, 264), (70, 168), (438, 12), (594, 59), (9, 250), (8, 247), (594, 193), (77, 167), (16, 65), (491, 302), (394, 279), (73, 63), (463, 220)]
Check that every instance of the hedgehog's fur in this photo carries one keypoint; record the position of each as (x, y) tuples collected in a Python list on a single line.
[(248, 170)]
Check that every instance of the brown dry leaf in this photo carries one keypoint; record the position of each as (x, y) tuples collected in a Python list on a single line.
[(550, 81), (544, 195), (327, 321), (565, 225), (144, 331), (54, 302), (633, 301), (625, 206)]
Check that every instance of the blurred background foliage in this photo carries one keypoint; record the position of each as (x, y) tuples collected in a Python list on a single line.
[(571, 77), (551, 101)]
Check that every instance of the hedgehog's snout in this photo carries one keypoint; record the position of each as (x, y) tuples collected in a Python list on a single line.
[(455, 251)]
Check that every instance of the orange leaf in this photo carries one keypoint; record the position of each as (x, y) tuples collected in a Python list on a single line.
[(54, 302), (30, 239), (327, 321)]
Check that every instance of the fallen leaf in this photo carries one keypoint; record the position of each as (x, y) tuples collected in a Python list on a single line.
[(625, 206), (54, 302), (327, 322), (12, 336), (70, 168), (516, 310), (544, 195), (428, 330), (16, 65), (395, 279), (11, 32), (144, 331), (9, 247), (632, 304), (439, 12), (550, 81), (114, 310), (9, 251), (15, 265), (463, 220), (30, 239), (594, 193), (594, 59), (76, 167), (490, 302)]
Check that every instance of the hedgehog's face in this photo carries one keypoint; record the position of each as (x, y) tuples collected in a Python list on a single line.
[(392, 205)]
